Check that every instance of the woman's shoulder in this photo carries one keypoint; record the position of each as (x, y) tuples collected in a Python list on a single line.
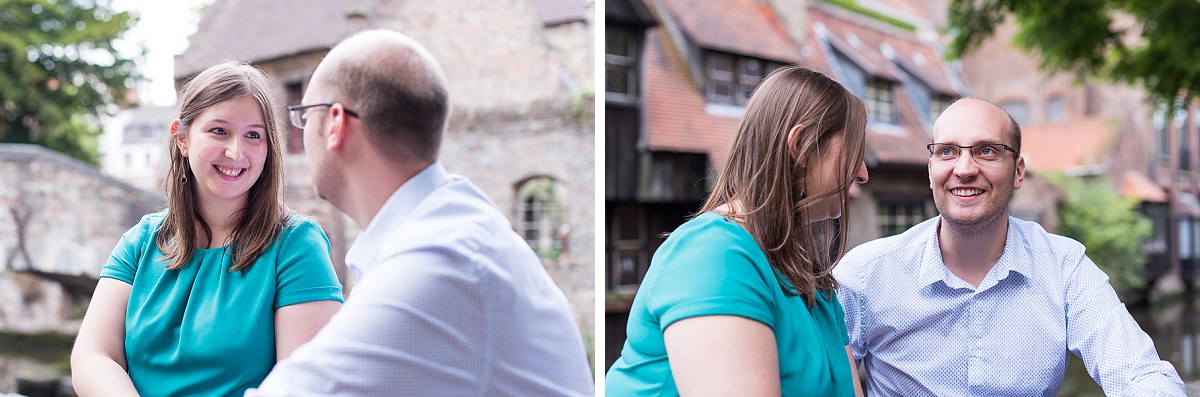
[(711, 224), (299, 227), (148, 224)]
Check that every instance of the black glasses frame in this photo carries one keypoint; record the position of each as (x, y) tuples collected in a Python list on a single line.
[(969, 148), (295, 112)]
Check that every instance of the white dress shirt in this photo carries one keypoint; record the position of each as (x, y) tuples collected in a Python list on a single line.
[(922, 331), (451, 302)]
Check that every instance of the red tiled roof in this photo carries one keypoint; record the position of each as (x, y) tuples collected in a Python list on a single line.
[(554, 12), (864, 44), (259, 30), (736, 26), (854, 36), (676, 119), (676, 112), (1138, 186), (1073, 147)]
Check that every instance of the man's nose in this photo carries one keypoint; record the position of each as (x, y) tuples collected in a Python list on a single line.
[(965, 164)]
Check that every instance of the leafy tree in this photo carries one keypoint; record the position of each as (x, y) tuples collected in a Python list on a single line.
[(58, 69), (1107, 224), (1153, 43)]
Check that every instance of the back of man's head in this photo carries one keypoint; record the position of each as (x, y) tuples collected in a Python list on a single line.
[(396, 87)]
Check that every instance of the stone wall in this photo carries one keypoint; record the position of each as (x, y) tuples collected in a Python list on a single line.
[(70, 216)]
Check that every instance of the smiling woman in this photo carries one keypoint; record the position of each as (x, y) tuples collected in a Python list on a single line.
[(205, 297)]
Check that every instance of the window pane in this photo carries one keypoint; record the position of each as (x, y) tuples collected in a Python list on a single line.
[(879, 101), (1019, 110), (617, 42), (616, 79), (1054, 109)]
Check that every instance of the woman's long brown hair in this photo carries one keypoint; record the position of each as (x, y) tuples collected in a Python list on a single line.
[(766, 178), (263, 217)]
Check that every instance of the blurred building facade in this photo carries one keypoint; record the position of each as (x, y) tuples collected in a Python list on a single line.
[(521, 87), (132, 145)]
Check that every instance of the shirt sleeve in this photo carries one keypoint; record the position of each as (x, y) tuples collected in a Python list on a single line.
[(304, 272), (850, 300), (123, 262), (414, 326), (1118, 355), (714, 269)]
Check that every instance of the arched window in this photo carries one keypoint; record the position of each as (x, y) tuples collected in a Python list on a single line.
[(541, 215)]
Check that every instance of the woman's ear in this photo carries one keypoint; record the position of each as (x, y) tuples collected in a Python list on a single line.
[(793, 141), (178, 138)]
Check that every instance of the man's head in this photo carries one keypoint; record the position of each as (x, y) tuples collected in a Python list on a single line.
[(386, 88), (972, 186)]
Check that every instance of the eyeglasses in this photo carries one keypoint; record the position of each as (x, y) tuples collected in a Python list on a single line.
[(298, 114), (980, 152)]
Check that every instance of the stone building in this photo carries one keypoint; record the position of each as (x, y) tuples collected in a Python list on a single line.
[(59, 221), (521, 126)]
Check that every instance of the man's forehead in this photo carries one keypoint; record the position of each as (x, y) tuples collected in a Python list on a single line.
[(979, 122)]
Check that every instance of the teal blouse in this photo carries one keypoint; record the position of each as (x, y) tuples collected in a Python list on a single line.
[(202, 329), (711, 266)]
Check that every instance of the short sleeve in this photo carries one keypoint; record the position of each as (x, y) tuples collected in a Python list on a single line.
[(711, 267), (123, 262), (304, 272), (840, 314)]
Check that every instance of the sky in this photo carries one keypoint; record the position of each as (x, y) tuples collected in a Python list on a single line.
[(163, 28)]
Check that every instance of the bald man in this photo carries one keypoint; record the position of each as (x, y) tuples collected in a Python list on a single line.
[(977, 303), (450, 301)]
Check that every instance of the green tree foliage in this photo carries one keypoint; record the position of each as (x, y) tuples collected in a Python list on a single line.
[(1152, 42), (1107, 224), (58, 70)]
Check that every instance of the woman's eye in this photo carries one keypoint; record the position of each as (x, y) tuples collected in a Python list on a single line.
[(253, 135), (217, 130)]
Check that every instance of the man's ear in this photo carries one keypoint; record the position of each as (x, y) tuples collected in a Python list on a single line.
[(176, 136), (339, 129), (793, 141), (1020, 173), (929, 172)]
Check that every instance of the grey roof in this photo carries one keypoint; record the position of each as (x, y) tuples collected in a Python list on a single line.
[(554, 12), (261, 30)]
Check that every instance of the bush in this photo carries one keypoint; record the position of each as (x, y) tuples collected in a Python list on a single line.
[(1108, 225)]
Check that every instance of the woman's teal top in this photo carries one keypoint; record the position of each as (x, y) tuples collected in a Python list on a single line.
[(204, 330), (712, 266)]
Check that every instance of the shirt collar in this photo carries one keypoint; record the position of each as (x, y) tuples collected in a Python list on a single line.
[(394, 212), (1014, 259)]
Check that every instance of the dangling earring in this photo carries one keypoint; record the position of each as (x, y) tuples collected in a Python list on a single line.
[(183, 179)]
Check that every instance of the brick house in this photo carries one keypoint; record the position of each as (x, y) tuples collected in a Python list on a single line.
[(521, 86), (680, 84)]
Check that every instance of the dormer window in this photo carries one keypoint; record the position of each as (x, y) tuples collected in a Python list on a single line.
[(938, 104), (620, 65), (731, 79), (880, 101)]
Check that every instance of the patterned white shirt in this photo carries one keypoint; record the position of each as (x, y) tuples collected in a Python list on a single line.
[(922, 331), (451, 302)]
